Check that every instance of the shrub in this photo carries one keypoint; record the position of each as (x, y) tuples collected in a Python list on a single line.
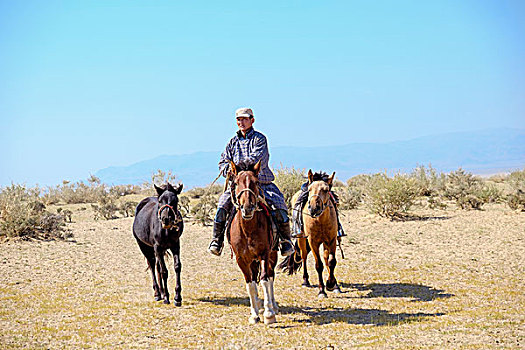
[(349, 197), (106, 207), (203, 211), (516, 180), (124, 190), (390, 197), (51, 195), (66, 213), (22, 214), (516, 199), (464, 188), (352, 196), (489, 193), (498, 178), (428, 181), (289, 181), (184, 205), (430, 185), (127, 209)]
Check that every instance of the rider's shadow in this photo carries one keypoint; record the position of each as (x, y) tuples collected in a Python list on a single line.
[(417, 292)]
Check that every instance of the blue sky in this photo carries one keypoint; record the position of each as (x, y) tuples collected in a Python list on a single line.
[(89, 84)]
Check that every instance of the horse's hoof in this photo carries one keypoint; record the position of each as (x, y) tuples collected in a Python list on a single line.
[(254, 320), (306, 285), (177, 303), (322, 295), (166, 301), (157, 298), (269, 320)]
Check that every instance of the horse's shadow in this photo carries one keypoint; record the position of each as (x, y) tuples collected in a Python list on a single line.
[(321, 315), (417, 292)]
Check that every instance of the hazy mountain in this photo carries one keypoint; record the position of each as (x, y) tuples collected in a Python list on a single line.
[(480, 152)]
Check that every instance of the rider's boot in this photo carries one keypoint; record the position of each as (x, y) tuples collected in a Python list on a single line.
[(283, 231), (219, 225)]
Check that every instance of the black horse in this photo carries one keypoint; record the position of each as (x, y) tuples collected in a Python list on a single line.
[(157, 227)]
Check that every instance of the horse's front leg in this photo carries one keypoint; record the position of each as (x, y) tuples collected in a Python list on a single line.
[(319, 267), (331, 262), (267, 284), (251, 288), (178, 268), (162, 274), (304, 254)]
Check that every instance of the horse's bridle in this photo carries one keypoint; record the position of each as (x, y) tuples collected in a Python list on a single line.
[(235, 196), (324, 205), (176, 220)]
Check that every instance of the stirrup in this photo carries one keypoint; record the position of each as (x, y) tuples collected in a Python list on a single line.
[(298, 235), (215, 244)]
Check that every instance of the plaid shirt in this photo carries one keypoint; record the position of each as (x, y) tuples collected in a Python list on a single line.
[(248, 150)]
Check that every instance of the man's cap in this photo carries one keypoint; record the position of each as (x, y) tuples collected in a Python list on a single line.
[(244, 112)]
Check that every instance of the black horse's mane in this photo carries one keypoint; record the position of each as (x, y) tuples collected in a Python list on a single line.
[(164, 186)]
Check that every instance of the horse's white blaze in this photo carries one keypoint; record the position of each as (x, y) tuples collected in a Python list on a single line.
[(251, 288), (269, 313)]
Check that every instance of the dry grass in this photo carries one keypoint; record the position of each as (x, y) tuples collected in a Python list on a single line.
[(454, 279)]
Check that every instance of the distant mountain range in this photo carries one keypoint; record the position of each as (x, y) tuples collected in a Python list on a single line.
[(480, 152)]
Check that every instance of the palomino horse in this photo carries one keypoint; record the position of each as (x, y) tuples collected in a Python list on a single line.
[(157, 227), (251, 241), (320, 227)]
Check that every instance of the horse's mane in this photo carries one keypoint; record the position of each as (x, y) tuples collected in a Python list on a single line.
[(321, 176), (245, 167)]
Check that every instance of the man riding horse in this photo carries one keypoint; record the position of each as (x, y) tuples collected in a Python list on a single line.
[(246, 148)]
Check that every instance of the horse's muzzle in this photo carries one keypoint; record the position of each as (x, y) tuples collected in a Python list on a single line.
[(247, 214), (315, 212)]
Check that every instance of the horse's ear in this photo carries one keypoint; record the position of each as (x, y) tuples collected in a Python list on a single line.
[(158, 189), (178, 190), (169, 187), (330, 179), (233, 168), (310, 176), (257, 168)]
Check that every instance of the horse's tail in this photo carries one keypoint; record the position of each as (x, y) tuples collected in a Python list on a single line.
[(292, 263)]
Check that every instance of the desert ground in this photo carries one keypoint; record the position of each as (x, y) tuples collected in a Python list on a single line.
[(450, 279)]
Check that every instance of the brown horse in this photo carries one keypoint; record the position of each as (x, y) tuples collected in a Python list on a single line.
[(320, 227), (251, 241)]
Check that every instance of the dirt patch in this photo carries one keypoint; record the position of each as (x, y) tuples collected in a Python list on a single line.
[(454, 279)]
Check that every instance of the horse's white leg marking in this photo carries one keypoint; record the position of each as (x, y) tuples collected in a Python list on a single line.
[(274, 303), (269, 314), (251, 288)]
